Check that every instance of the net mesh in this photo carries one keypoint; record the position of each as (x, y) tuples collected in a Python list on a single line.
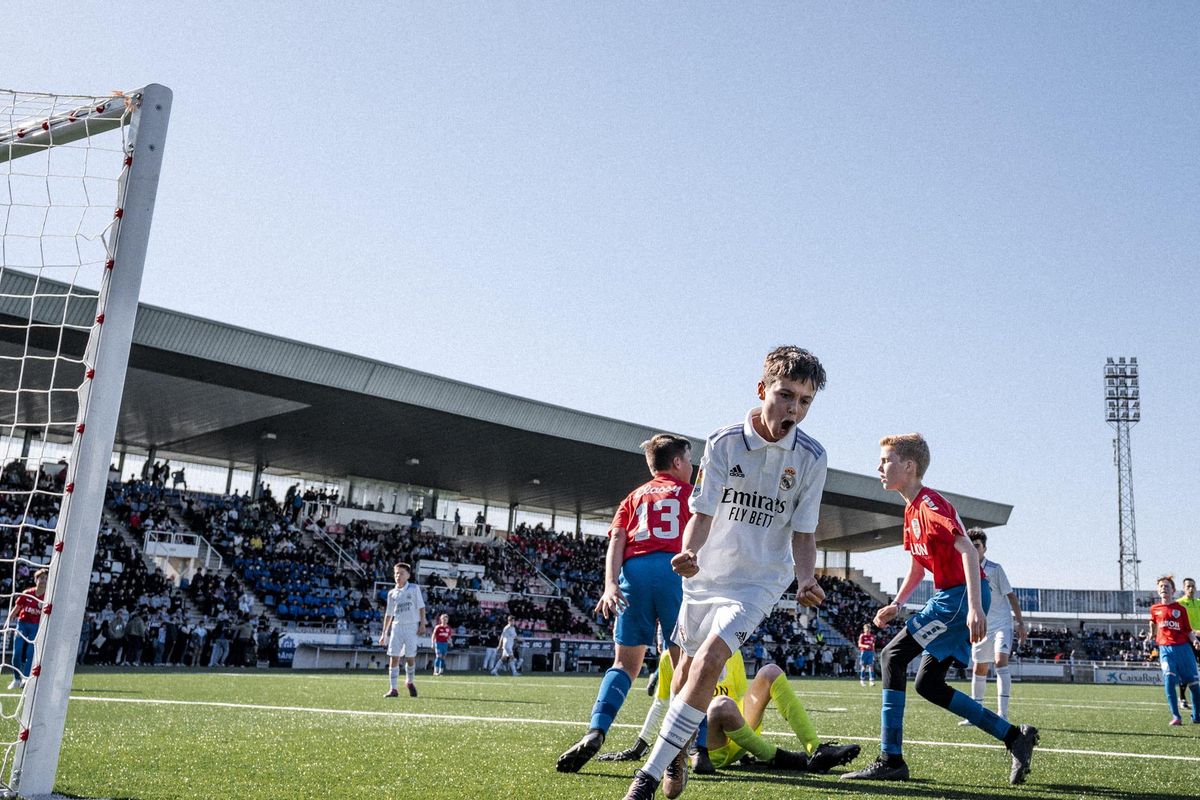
[(62, 164)]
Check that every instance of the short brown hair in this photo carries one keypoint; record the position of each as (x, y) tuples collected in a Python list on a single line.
[(789, 362), (662, 448), (404, 564), (977, 535), (910, 447), (40, 573), (1169, 578)]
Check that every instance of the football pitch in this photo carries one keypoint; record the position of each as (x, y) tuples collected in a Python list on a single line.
[(284, 734)]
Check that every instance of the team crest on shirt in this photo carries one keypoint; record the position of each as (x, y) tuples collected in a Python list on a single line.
[(916, 528), (1175, 613), (788, 481)]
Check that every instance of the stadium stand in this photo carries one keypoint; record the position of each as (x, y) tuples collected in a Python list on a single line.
[(287, 568)]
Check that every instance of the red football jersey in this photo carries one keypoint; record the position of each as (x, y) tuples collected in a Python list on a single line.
[(442, 633), (930, 525), (653, 516), (29, 607), (1171, 624), (866, 641)]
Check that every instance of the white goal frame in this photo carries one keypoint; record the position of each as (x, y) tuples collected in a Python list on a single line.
[(44, 710)]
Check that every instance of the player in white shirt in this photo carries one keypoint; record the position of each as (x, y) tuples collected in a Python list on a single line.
[(403, 628), (755, 508), (998, 644), (507, 647)]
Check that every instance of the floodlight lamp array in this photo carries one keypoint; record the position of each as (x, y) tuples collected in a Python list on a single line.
[(1122, 394)]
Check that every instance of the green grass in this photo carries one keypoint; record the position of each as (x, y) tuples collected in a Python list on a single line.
[(182, 734)]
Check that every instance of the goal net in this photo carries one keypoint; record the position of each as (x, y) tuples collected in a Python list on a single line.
[(78, 176)]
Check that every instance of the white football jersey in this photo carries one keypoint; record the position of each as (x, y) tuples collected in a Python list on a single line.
[(757, 493), (999, 616), (405, 605)]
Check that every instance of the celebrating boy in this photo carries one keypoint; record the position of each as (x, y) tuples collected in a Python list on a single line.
[(754, 518)]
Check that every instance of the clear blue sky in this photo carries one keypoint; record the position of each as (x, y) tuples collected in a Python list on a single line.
[(619, 208)]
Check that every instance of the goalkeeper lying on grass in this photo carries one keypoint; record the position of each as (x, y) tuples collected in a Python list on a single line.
[(735, 719)]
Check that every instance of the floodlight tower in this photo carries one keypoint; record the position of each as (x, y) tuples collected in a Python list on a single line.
[(1124, 410)]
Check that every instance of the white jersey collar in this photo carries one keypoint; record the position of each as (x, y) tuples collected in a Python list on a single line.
[(755, 442)]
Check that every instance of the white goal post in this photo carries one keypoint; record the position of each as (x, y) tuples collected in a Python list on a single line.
[(62, 213)]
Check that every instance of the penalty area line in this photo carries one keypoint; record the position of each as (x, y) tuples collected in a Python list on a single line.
[(569, 722)]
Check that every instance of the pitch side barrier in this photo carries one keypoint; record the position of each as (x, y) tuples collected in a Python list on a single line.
[(537, 655)]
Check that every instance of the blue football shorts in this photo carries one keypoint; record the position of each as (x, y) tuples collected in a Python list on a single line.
[(1178, 660), (653, 594), (941, 626)]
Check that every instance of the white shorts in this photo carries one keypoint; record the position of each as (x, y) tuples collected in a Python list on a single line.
[(403, 642), (997, 642), (732, 622)]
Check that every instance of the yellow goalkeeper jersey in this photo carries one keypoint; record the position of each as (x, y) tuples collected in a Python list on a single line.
[(732, 683)]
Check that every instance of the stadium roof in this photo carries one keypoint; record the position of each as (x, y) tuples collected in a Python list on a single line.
[(242, 397)]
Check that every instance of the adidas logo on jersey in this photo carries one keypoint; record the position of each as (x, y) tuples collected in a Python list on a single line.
[(741, 637), (736, 472)]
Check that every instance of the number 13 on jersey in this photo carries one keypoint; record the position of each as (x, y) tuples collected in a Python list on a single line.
[(659, 519)]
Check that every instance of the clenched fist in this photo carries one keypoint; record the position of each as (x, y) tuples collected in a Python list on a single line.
[(684, 564)]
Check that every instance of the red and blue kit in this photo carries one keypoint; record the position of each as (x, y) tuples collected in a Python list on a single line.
[(653, 516), (930, 526), (1171, 626), (866, 642), (442, 633), (29, 607)]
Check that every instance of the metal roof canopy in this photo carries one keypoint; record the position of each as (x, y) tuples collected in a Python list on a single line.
[(215, 391)]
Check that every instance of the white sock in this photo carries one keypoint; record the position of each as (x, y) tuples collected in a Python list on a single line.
[(408, 672), (513, 665), (393, 674), (1004, 689), (653, 720), (678, 726), (978, 685)]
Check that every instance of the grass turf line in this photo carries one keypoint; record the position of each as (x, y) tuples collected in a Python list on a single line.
[(152, 750)]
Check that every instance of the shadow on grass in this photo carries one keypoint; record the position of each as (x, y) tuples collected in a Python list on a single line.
[(833, 786)]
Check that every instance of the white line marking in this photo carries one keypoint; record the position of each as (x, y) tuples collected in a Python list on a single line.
[(571, 722)]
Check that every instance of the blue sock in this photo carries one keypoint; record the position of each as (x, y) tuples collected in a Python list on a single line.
[(610, 698), (702, 733), (1171, 684), (979, 716), (891, 722)]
